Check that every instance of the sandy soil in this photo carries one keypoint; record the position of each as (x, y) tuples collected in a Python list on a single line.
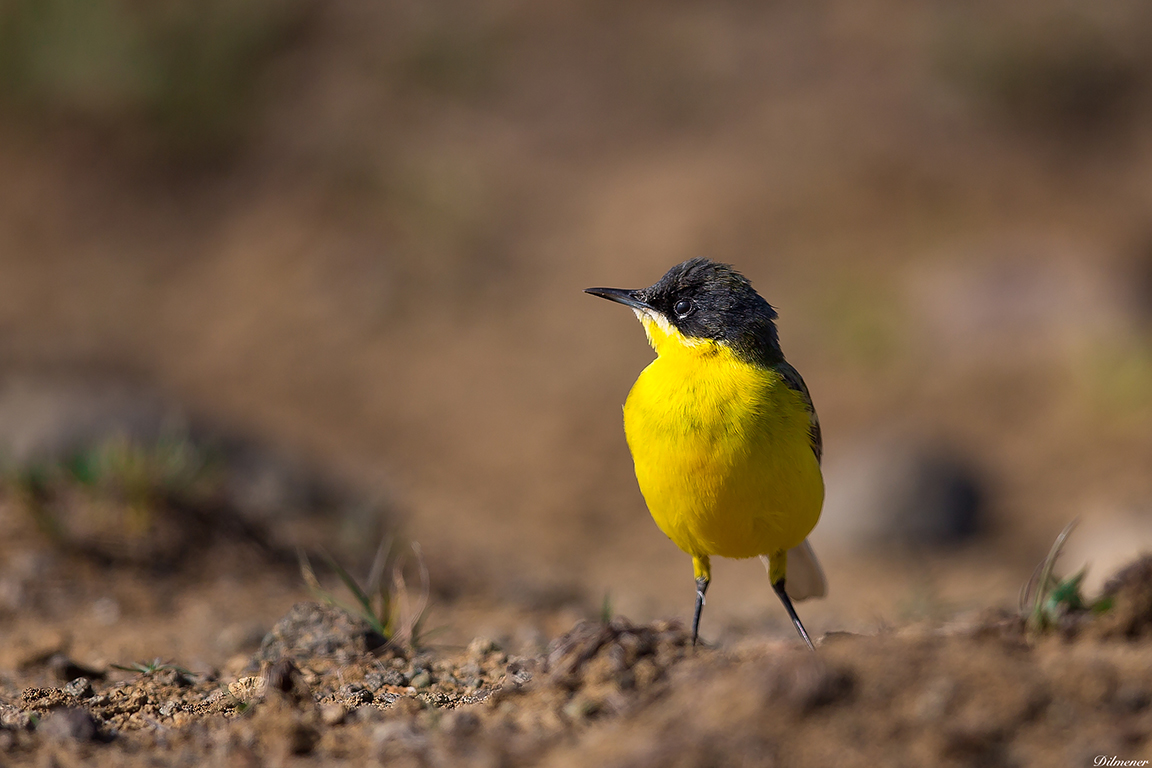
[(348, 253), (321, 688), (253, 674)]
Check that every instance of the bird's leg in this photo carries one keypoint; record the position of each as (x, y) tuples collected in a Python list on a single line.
[(701, 588), (779, 587), (703, 569), (778, 566)]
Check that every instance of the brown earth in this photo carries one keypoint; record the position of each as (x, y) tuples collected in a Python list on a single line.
[(974, 692), (321, 687), (356, 234)]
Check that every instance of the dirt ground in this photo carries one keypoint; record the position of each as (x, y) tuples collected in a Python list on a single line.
[(283, 276), (320, 687)]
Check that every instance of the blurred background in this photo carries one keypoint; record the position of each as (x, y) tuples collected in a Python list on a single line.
[(343, 244)]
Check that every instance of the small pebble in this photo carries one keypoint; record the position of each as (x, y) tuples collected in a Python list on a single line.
[(81, 688), (247, 689), (356, 694), (421, 680), (518, 674), (382, 698)]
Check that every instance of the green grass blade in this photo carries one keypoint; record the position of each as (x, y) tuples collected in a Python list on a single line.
[(1037, 621)]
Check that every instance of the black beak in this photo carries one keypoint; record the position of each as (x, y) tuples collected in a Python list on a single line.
[(620, 296)]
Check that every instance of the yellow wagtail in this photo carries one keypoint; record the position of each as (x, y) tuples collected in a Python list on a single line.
[(723, 435)]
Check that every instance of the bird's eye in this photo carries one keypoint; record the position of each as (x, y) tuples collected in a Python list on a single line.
[(683, 307)]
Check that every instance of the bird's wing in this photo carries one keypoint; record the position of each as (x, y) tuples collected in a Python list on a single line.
[(805, 576), (794, 381)]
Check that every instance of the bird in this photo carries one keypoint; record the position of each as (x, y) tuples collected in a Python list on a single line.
[(725, 441)]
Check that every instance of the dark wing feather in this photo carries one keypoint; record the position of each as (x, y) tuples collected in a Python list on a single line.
[(792, 378)]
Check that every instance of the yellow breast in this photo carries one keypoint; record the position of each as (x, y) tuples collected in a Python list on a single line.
[(721, 449)]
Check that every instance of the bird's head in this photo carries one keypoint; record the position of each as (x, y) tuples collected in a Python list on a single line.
[(703, 302)]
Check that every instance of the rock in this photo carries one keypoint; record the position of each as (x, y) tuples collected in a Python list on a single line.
[(518, 674), (421, 680), (248, 689), (617, 644), (81, 688), (374, 681), (13, 718), (312, 630), (356, 695)]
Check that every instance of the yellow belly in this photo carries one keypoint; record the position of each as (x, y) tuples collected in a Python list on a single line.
[(722, 454)]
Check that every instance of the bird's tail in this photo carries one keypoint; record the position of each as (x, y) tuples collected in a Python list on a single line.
[(805, 576)]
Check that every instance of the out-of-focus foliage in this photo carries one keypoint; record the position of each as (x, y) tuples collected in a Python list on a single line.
[(117, 498), (181, 74), (1059, 68), (384, 600), (1049, 602)]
